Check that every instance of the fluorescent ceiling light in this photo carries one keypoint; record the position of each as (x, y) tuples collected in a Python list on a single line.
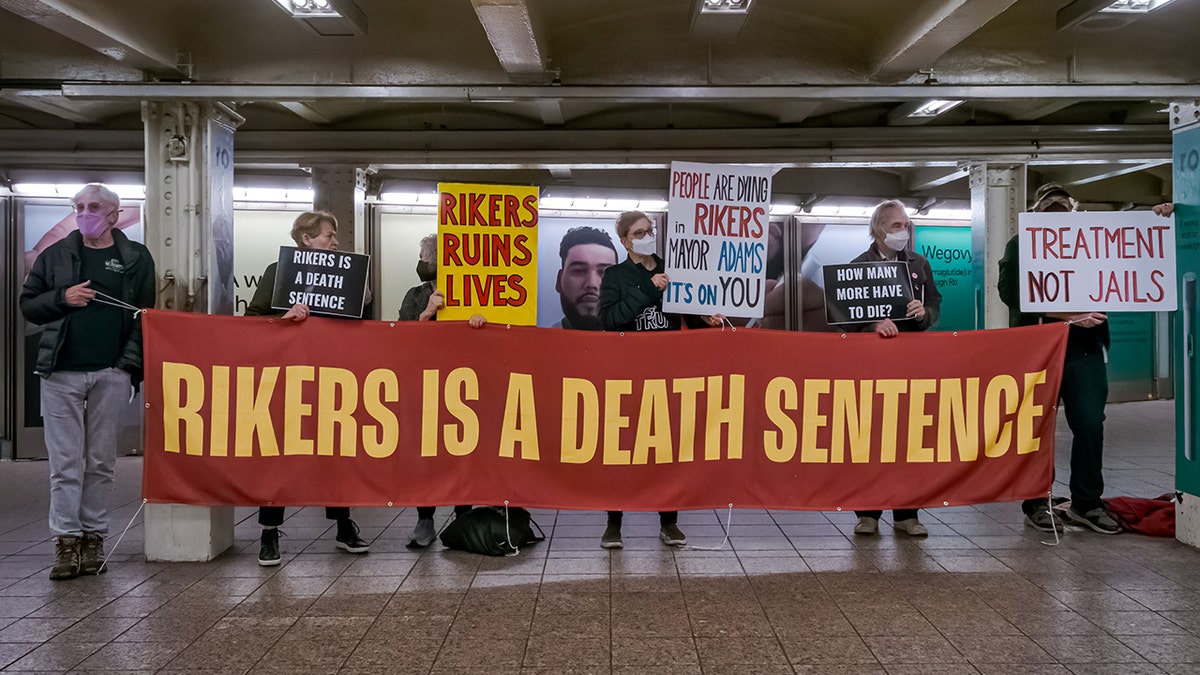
[(1135, 6), (303, 8), (783, 209), (329, 18), (724, 6), (555, 203), (935, 107)]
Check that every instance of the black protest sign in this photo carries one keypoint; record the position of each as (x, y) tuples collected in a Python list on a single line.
[(329, 282), (866, 292)]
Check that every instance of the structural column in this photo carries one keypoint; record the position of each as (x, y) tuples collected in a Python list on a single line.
[(1185, 146), (997, 199), (189, 231), (341, 189)]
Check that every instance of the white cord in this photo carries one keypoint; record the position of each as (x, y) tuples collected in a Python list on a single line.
[(728, 525), (507, 534), (1050, 510), (106, 299), (113, 548)]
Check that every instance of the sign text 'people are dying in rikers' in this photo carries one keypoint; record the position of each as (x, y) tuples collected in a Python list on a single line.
[(716, 239), (1103, 262), (332, 283), (487, 252)]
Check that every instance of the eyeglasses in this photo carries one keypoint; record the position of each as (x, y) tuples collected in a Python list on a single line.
[(638, 234), (90, 207)]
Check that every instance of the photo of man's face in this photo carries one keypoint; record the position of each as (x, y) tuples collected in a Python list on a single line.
[(578, 284)]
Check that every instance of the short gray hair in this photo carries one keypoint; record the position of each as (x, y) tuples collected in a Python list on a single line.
[(106, 195), (877, 232)]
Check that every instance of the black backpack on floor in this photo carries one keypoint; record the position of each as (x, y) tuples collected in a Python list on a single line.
[(486, 530)]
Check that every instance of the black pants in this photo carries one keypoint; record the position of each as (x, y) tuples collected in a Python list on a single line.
[(664, 517), (897, 514), (1084, 392), (426, 512), (272, 516)]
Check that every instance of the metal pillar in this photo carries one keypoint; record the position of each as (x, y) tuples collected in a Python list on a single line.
[(997, 198), (189, 231), (1185, 145), (342, 190)]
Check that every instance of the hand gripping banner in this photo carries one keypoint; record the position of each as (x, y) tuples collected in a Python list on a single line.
[(251, 411)]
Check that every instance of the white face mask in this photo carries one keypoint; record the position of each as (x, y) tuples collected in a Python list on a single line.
[(647, 245), (896, 241)]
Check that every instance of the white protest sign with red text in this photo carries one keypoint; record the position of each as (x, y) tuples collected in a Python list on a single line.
[(716, 239), (1105, 262)]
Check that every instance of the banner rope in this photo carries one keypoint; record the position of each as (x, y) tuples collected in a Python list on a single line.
[(508, 534), (113, 548), (1053, 526), (728, 525), (106, 299)]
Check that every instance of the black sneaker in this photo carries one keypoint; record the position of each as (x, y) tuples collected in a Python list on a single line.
[(1097, 519), (612, 537), (91, 557), (268, 553), (348, 539), (1041, 519), (671, 535)]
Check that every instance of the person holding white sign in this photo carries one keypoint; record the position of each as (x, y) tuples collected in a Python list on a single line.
[(1083, 391), (891, 234), (313, 230), (631, 298)]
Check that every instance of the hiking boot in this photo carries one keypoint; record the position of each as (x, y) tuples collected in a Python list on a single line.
[(612, 537), (911, 526), (1097, 519), (671, 535), (268, 553), (91, 557), (348, 539), (867, 525), (1041, 519), (66, 558), (423, 534)]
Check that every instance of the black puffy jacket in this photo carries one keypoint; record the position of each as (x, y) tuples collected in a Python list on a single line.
[(57, 269)]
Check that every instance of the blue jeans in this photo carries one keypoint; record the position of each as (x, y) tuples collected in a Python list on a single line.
[(82, 413)]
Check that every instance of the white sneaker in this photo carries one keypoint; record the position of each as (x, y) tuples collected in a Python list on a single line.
[(423, 534), (867, 525), (912, 527)]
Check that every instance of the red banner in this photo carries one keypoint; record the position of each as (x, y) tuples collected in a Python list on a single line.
[(363, 413)]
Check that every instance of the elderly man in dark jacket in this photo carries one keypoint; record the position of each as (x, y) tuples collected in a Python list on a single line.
[(85, 290)]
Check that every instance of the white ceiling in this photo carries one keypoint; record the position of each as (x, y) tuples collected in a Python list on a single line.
[(587, 95)]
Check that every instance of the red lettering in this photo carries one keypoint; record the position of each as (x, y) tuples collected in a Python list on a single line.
[(446, 209), (477, 217), (524, 256), (451, 300), (701, 219), (515, 282), (512, 216), (494, 204), (530, 204), (450, 251), (759, 212)]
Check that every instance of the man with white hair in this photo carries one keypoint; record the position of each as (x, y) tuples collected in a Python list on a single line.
[(86, 290)]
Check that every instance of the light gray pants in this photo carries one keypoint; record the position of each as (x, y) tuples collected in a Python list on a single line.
[(82, 414)]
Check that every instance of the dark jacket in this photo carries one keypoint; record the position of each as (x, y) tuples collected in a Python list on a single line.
[(924, 287), (415, 301), (629, 301), (1080, 340), (57, 269), (260, 304)]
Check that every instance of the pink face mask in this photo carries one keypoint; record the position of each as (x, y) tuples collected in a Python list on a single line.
[(91, 225)]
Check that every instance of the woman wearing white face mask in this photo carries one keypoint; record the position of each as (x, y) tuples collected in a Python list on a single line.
[(891, 231), (631, 297)]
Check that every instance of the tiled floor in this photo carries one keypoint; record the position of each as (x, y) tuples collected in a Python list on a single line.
[(792, 592)]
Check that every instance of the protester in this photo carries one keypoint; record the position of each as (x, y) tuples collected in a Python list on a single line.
[(631, 297), (87, 290), (315, 230), (585, 253), (421, 303), (891, 234), (1084, 387)]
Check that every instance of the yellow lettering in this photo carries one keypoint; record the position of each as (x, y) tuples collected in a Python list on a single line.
[(337, 399), (614, 421), (960, 416), (520, 418), (462, 384), (654, 425), (780, 446), (918, 420), (379, 388), (580, 403), (997, 436), (731, 416), (295, 409), (177, 377), (1027, 441), (430, 407), (890, 390), (688, 389), (813, 421), (254, 412), (852, 421), (219, 441)]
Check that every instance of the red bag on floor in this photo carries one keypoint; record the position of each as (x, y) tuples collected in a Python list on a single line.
[(1145, 516)]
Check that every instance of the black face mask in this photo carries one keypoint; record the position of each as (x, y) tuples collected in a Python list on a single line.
[(426, 271)]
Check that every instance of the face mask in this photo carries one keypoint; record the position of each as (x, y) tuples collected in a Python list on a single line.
[(896, 240), (91, 225), (647, 245), (426, 271)]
